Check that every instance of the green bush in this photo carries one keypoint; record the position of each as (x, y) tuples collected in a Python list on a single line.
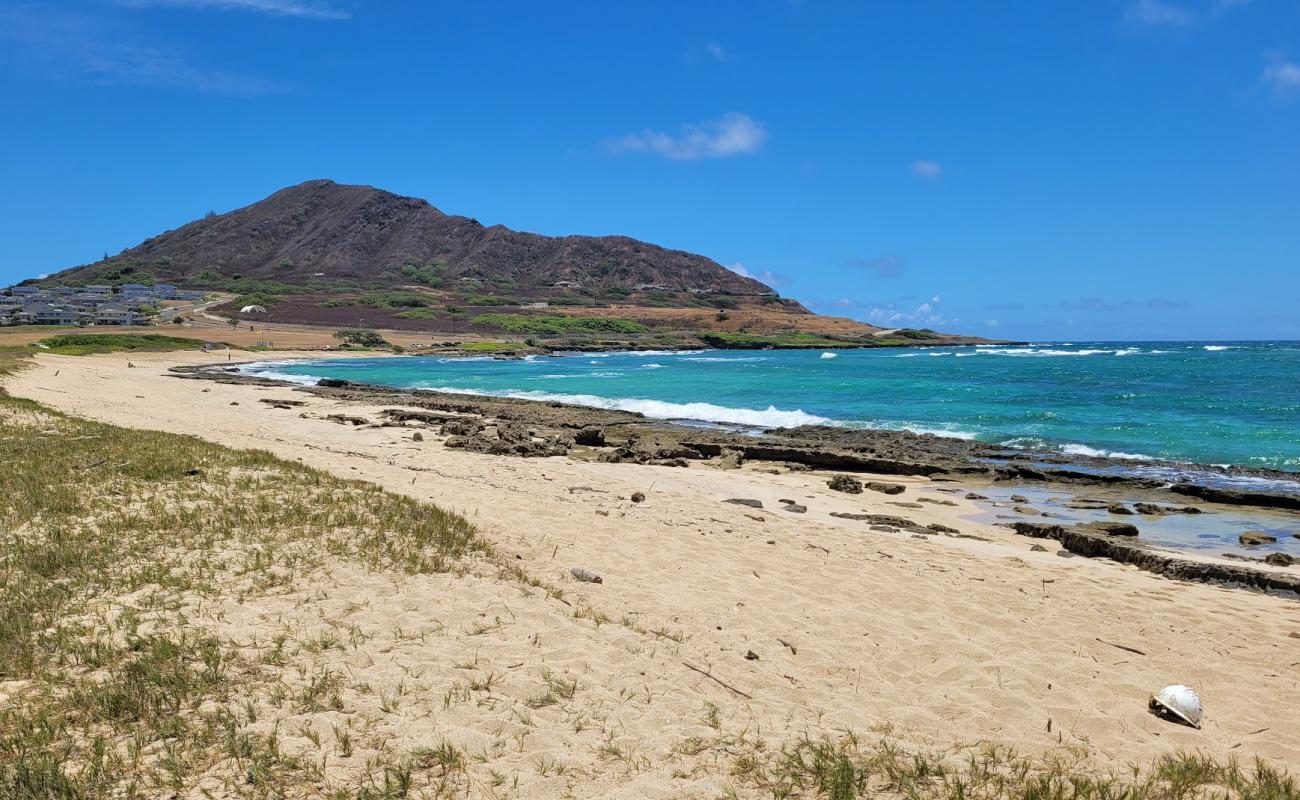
[(551, 324), (77, 344), (754, 341), (361, 337)]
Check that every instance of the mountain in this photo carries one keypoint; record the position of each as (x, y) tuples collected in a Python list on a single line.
[(329, 233)]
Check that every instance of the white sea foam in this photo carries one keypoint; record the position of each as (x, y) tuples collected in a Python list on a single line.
[(771, 417), (1046, 352), (1214, 348), (735, 359), (1085, 450), (830, 355), (645, 353), (271, 370), (652, 366)]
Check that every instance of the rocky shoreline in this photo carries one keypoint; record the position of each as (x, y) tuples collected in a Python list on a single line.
[(635, 437), (533, 428)]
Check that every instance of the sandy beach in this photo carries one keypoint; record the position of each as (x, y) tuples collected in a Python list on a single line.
[(715, 619)]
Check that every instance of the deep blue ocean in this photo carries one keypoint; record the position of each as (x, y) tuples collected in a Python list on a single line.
[(1217, 403)]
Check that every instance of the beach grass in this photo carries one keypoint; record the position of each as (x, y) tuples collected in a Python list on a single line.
[(113, 540), (79, 344)]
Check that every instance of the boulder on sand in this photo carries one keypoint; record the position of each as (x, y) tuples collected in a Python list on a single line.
[(1251, 538), (843, 483), (885, 488), (1111, 528)]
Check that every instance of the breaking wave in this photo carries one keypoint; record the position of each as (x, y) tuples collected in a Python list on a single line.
[(771, 417)]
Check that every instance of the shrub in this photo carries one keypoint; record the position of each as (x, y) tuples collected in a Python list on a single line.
[(551, 324), (361, 337)]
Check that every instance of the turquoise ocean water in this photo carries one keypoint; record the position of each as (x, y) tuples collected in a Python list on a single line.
[(1216, 403)]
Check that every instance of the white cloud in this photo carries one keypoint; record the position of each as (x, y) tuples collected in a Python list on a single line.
[(734, 134), (57, 45), (924, 314), (1283, 76), (717, 52), (1158, 12), (280, 8), (926, 169), (992, 323), (765, 276)]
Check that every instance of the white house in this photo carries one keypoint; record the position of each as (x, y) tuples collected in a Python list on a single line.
[(115, 315)]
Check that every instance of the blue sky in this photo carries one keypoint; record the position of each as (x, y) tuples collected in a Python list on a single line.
[(1071, 170)]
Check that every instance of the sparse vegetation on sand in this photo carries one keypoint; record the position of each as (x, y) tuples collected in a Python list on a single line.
[(112, 542), (179, 618), (80, 344)]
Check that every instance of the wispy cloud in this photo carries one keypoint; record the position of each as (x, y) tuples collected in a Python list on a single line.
[(1282, 76), (889, 266), (280, 8), (734, 134), (1158, 13), (766, 276), (891, 314), (717, 52), (926, 169), (62, 45)]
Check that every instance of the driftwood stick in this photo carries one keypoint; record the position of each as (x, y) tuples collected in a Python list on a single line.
[(716, 680), (1123, 647)]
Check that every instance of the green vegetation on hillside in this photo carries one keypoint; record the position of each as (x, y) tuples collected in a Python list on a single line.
[(80, 344), (550, 324), (390, 298), (765, 341)]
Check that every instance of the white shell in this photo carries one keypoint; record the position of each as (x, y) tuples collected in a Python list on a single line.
[(1181, 701)]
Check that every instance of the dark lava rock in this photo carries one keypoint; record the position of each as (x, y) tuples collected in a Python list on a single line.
[(937, 528), (333, 383), (417, 437), (843, 483), (731, 459), (1256, 537), (973, 496), (1018, 498), (1027, 511), (884, 488), (461, 427), (590, 436), (1037, 548), (795, 508), (1111, 528), (1215, 494), (1120, 508), (740, 501), (638, 497), (1279, 559), (1086, 504), (1150, 509)]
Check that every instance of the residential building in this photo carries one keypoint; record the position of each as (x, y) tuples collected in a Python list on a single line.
[(115, 315), (45, 314)]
